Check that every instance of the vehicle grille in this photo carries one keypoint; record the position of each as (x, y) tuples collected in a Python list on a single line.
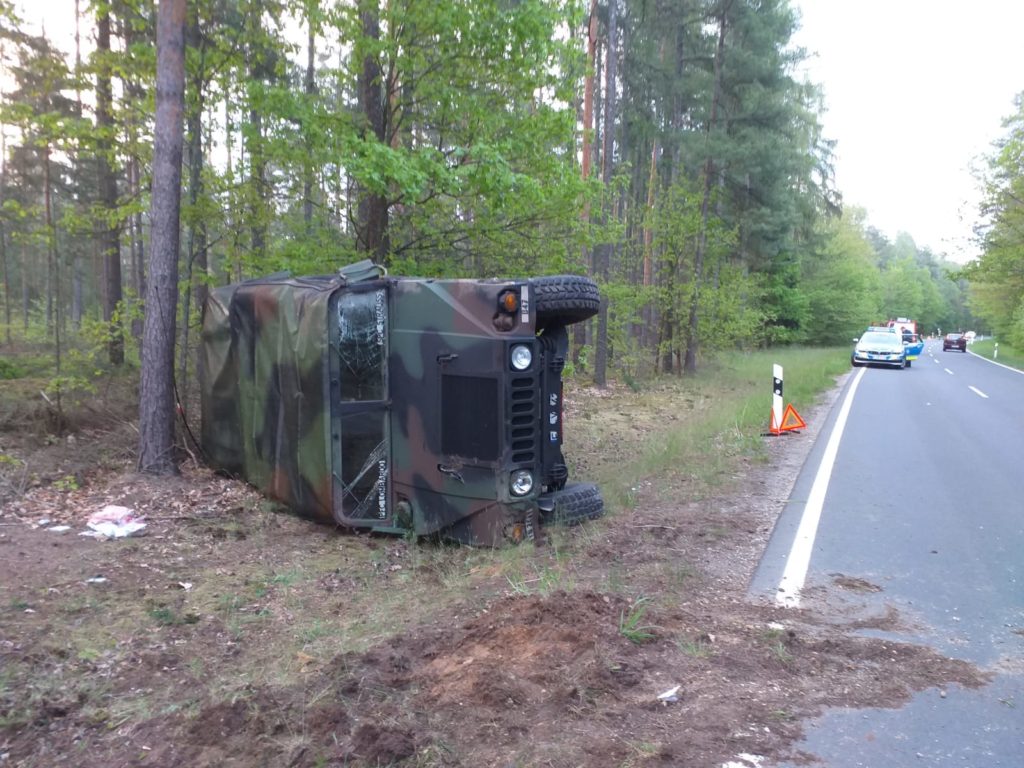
[(469, 417), (524, 418)]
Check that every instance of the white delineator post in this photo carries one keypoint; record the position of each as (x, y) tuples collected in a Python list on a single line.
[(776, 397), (995, 352)]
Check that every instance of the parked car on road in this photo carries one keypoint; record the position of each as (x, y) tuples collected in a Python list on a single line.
[(880, 348), (954, 341)]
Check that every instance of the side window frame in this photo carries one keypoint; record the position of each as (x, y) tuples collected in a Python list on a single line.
[(360, 434)]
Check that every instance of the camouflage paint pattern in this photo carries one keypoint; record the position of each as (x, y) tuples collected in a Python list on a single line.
[(433, 449), (444, 331), (264, 388)]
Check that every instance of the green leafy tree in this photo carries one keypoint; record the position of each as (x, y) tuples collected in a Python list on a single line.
[(902, 289), (771, 162), (470, 153), (46, 119), (841, 282), (997, 278)]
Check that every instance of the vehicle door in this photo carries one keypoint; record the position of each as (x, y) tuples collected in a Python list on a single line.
[(361, 447)]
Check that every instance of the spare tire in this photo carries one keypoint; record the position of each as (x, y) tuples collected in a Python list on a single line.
[(564, 299), (574, 504)]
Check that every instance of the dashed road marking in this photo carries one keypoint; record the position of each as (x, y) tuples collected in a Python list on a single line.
[(977, 391)]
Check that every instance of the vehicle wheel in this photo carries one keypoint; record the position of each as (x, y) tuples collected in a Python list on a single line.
[(564, 299), (574, 504), (909, 362)]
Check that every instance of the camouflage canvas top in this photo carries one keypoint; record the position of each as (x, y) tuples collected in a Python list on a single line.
[(264, 385)]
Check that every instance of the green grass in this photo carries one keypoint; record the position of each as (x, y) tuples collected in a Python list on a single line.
[(166, 616), (9, 370), (774, 639), (631, 623), (695, 428), (1007, 354), (531, 571), (698, 649)]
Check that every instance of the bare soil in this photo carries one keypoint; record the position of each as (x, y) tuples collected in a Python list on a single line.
[(232, 633)]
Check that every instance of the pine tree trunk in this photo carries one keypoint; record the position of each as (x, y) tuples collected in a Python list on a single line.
[(25, 301), (110, 236), (3, 232), (309, 172), (196, 255), (692, 336), (602, 253), (579, 330), (156, 398), (372, 228), (77, 271), (257, 179), (667, 325), (51, 254), (137, 266), (138, 250), (588, 96), (7, 283), (648, 312), (258, 72), (49, 287)]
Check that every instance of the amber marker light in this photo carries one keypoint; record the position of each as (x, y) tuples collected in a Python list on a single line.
[(508, 301)]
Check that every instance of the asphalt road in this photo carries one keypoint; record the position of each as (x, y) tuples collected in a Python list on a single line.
[(916, 502)]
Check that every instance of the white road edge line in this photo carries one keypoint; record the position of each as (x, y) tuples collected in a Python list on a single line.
[(1007, 367), (977, 391), (799, 559)]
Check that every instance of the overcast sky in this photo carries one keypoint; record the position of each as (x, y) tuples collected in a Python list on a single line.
[(916, 92)]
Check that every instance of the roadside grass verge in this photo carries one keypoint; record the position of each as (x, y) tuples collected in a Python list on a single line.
[(1007, 354), (698, 429)]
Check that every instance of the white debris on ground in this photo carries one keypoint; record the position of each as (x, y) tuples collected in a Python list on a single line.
[(669, 696), (113, 522), (743, 760)]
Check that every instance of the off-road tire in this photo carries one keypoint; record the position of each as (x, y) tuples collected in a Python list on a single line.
[(564, 299), (575, 504)]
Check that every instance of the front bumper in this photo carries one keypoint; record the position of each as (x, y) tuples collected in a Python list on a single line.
[(873, 358)]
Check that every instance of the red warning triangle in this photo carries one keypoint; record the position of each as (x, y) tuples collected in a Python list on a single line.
[(791, 420), (772, 426)]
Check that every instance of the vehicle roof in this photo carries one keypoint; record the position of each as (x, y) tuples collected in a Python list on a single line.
[(881, 335)]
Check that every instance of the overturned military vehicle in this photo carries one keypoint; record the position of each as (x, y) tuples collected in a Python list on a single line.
[(406, 405)]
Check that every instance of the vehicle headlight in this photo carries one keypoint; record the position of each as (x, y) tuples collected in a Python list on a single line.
[(521, 357), (522, 482)]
